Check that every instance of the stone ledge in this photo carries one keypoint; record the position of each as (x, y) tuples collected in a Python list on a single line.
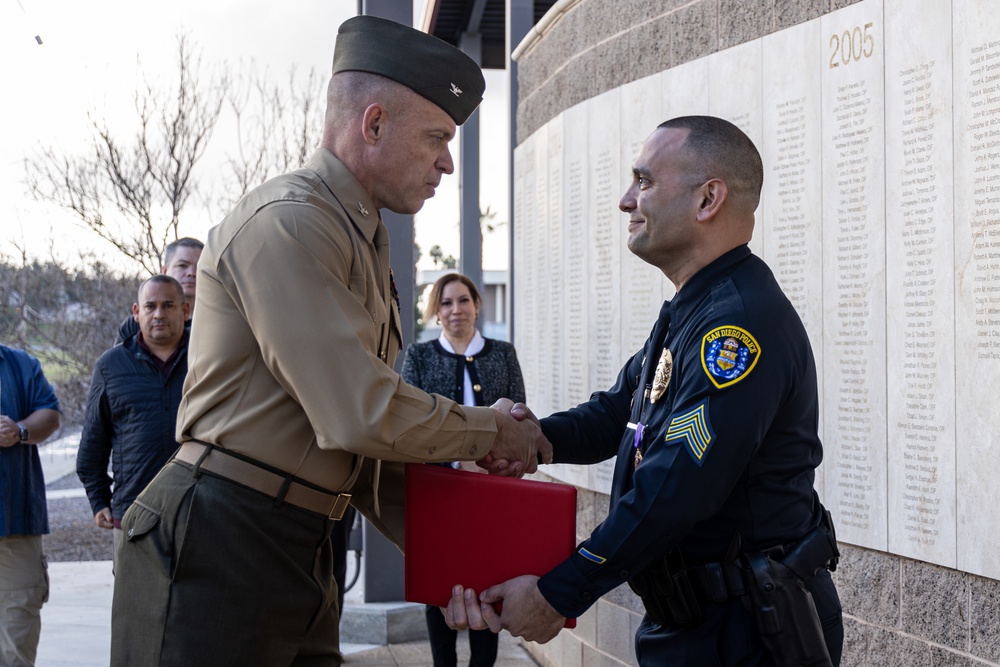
[(382, 623)]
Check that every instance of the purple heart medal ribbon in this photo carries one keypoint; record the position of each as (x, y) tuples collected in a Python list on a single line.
[(637, 441)]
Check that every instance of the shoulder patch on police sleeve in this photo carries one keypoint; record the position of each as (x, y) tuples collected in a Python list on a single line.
[(728, 354), (694, 428)]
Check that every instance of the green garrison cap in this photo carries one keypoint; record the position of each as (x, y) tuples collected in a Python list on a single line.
[(431, 67)]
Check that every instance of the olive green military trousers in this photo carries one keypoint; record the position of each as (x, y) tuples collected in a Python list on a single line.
[(212, 574)]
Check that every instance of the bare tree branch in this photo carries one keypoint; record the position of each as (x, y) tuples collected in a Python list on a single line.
[(278, 128), (132, 193)]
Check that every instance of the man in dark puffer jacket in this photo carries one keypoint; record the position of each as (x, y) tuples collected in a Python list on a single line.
[(132, 405)]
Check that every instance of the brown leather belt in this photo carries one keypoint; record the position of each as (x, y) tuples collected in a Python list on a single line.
[(218, 462)]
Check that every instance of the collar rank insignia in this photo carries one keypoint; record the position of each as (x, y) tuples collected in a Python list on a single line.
[(664, 367), (455, 90), (362, 210), (728, 354)]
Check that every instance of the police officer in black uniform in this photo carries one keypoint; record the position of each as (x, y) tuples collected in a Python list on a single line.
[(714, 520)]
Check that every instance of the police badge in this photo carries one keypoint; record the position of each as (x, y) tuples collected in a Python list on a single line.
[(662, 376)]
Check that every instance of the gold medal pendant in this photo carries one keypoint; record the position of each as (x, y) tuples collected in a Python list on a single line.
[(662, 376), (638, 458)]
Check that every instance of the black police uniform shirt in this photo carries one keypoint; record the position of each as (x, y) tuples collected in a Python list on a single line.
[(730, 445)]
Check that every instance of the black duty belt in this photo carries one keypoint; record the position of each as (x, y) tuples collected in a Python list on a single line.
[(718, 581), (280, 487)]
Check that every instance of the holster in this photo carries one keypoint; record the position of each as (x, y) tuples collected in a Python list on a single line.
[(782, 607), (667, 593)]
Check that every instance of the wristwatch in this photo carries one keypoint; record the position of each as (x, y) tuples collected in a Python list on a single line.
[(23, 435)]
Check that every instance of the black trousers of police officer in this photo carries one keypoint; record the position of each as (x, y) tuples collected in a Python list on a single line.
[(728, 636)]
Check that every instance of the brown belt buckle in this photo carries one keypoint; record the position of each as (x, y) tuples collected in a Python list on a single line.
[(339, 507)]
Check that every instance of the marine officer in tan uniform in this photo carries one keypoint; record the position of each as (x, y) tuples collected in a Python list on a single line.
[(291, 409)]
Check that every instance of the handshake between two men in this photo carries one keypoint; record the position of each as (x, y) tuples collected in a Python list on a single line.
[(519, 447)]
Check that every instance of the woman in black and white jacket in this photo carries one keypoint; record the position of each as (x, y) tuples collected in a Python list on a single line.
[(472, 370)]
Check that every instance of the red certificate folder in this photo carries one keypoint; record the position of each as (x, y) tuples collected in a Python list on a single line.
[(480, 530)]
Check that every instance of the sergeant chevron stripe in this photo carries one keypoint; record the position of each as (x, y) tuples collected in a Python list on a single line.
[(695, 429)]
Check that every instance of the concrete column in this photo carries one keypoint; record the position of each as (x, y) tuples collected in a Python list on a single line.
[(470, 232), (520, 19), (383, 563)]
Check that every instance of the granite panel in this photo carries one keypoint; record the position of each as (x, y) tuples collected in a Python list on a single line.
[(585, 519), (604, 230), (790, 149), (572, 651), (636, 12), (565, 40), (984, 612), (586, 626), (528, 112), (693, 32), (641, 288), (942, 657), (549, 653), (562, 85), (743, 20), (854, 286), (611, 63), (685, 89), (855, 643), (576, 306), (602, 20), (546, 102), (581, 84), (976, 62), (868, 583), (529, 219), (920, 363), (649, 47), (551, 316), (793, 12), (624, 597), (614, 630), (533, 69), (601, 473), (567, 37), (735, 93), (572, 31), (838, 4), (892, 649), (935, 604)]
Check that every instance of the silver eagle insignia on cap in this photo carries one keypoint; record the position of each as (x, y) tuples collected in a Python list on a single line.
[(455, 90)]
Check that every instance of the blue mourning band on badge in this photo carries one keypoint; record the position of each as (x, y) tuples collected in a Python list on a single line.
[(594, 558), (728, 354), (694, 429)]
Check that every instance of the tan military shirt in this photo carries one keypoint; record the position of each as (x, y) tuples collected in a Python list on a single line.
[(290, 357)]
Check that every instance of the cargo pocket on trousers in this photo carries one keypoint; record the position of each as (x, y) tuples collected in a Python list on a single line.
[(138, 520)]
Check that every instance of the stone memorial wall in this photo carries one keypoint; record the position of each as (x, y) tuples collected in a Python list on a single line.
[(879, 127)]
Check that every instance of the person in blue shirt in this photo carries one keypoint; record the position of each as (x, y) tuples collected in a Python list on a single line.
[(714, 425), (29, 413)]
